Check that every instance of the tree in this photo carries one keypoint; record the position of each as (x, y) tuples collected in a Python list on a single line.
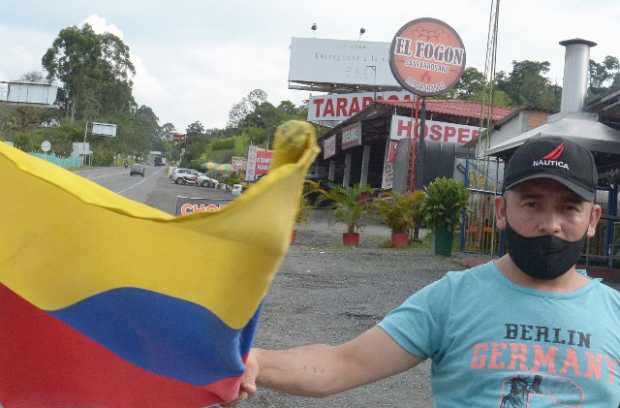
[(245, 106), (604, 76), (195, 129), (33, 76), (527, 86), (95, 70), (472, 83)]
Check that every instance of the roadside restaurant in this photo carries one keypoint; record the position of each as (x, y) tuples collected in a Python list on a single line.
[(365, 148)]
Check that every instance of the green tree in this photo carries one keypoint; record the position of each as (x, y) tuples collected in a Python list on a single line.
[(95, 70), (527, 86), (245, 106), (604, 76), (33, 76)]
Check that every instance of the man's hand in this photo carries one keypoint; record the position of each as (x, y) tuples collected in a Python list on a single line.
[(248, 380)]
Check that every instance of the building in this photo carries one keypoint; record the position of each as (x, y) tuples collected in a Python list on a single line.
[(367, 148)]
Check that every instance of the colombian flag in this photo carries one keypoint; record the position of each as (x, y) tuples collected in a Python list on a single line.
[(106, 302)]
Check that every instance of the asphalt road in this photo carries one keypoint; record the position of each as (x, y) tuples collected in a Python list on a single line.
[(154, 189)]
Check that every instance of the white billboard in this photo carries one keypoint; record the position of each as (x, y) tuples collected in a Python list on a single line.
[(351, 136), (103, 129), (36, 93), (435, 131), (80, 149), (339, 107), (316, 60), (329, 147)]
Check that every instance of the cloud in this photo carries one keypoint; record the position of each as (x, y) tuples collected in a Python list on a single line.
[(22, 50), (100, 26), (203, 82)]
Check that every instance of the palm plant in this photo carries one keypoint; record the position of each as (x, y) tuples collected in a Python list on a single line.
[(349, 204)]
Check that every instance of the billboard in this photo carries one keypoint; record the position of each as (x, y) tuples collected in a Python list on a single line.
[(103, 129), (427, 56), (339, 107), (238, 163), (24, 92), (80, 149), (191, 205), (314, 60), (258, 164), (329, 147), (435, 131), (351, 136)]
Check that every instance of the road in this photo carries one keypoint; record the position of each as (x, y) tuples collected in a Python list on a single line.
[(155, 189)]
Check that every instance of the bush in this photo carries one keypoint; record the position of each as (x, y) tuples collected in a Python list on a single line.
[(396, 211), (444, 201)]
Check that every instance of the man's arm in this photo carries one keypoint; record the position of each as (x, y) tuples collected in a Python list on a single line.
[(321, 370)]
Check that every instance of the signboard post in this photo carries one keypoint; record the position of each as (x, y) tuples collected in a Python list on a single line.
[(427, 57)]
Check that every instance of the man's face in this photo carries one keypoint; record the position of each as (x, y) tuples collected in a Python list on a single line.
[(545, 207)]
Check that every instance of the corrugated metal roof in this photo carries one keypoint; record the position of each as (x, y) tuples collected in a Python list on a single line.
[(466, 109)]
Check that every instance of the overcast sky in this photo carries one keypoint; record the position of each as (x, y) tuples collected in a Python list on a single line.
[(196, 58)]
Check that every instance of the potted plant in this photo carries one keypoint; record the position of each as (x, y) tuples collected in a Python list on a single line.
[(441, 210), (349, 205), (397, 212)]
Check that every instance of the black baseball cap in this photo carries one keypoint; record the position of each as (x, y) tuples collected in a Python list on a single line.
[(557, 159)]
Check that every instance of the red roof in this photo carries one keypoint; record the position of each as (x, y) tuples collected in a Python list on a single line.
[(467, 109)]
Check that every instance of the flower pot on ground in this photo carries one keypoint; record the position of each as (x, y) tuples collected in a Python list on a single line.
[(441, 210), (351, 239), (400, 239), (349, 205), (397, 211), (442, 241)]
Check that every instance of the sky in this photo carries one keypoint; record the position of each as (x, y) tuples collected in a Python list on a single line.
[(195, 59)]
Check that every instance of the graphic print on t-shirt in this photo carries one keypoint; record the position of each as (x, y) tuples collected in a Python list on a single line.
[(545, 359), (525, 391)]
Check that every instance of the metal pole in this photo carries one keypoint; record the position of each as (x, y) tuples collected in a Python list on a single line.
[(84, 142), (419, 164), (612, 205)]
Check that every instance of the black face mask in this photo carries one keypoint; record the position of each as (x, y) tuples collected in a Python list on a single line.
[(546, 257)]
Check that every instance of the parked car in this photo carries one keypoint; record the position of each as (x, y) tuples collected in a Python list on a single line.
[(205, 181), (236, 189), (137, 168), (184, 176)]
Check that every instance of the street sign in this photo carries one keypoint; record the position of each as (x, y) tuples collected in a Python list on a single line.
[(427, 57), (104, 129), (46, 146)]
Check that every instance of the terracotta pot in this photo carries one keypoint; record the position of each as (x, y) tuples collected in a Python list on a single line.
[(400, 239), (350, 239)]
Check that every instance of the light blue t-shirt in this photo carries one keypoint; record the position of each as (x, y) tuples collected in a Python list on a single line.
[(496, 344)]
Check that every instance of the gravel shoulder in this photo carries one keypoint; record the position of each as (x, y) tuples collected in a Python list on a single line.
[(325, 293)]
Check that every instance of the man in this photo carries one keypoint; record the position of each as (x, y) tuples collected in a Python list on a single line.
[(527, 330)]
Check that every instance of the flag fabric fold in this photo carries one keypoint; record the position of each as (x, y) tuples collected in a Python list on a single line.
[(106, 302)]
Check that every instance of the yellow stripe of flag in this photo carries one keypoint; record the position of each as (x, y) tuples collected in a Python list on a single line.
[(65, 238)]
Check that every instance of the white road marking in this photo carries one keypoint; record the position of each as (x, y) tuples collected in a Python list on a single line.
[(139, 182)]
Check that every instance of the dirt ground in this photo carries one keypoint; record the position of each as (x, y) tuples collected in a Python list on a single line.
[(325, 293)]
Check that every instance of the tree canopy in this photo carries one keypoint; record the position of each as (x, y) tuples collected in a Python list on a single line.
[(95, 70)]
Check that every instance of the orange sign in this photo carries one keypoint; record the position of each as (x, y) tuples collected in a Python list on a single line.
[(427, 56)]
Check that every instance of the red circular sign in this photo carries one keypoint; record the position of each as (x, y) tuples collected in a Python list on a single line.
[(427, 56)]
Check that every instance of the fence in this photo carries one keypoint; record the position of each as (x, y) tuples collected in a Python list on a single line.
[(65, 162), (479, 234)]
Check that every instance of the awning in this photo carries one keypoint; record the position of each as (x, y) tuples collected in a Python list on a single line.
[(582, 128)]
